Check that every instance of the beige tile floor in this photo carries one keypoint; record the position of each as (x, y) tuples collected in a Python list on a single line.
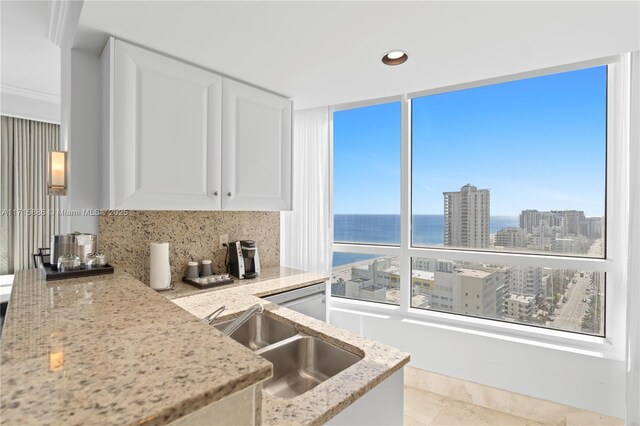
[(435, 399), (427, 408)]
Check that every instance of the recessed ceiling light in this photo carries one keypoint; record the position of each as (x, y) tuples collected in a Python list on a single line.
[(395, 57)]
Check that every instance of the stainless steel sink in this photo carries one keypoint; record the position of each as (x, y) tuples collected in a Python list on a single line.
[(303, 362), (260, 331), (300, 362)]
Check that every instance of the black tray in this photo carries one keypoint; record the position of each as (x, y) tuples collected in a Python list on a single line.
[(49, 274), (207, 285)]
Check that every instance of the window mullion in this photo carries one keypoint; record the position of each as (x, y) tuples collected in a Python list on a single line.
[(405, 208)]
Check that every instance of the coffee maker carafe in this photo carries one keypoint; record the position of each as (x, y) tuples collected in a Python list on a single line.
[(243, 259)]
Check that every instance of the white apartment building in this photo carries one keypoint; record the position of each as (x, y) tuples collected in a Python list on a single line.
[(525, 280), (595, 227), (365, 289), (519, 307), (381, 272), (467, 291), (546, 285), (466, 217), (567, 222), (429, 264), (511, 238)]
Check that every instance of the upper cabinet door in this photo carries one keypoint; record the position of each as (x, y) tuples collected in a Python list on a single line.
[(256, 152), (166, 133)]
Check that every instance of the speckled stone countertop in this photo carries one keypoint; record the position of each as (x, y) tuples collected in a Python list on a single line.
[(110, 350), (328, 398)]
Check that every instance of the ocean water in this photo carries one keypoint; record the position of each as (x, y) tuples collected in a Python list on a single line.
[(428, 230)]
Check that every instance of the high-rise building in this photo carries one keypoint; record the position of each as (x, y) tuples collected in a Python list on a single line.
[(466, 217), (565, 222), (595, 227)]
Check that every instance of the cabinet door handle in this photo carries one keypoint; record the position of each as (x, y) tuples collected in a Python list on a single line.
[(228, 194), (215, 194)]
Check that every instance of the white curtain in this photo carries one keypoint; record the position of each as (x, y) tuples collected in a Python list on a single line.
[(632, 126), (305, 238), (29, 216)]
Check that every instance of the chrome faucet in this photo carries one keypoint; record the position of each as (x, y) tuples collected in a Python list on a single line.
[(213, 315), (257, 308)]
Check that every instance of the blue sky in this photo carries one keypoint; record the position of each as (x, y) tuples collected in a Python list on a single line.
[(537, 143)]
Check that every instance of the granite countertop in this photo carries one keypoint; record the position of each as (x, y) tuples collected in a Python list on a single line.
[(182, 289), (328, 398), (110, 350)]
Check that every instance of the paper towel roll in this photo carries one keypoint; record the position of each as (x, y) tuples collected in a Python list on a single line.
[(159, 273)]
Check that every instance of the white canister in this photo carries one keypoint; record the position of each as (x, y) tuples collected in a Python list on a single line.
[(159, 270)]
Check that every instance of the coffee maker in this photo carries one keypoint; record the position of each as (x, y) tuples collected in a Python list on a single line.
[(243, 260)]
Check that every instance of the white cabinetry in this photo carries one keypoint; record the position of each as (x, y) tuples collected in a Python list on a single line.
[(165, 132), (382, 405), (166, 146), (256, 128)]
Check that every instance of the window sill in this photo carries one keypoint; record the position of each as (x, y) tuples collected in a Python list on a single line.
[(586, 345)]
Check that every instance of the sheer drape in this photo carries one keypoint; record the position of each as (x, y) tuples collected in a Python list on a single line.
[(631, 118), (305, 241), (28, 215)]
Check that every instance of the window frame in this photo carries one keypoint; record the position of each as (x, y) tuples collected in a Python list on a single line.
[(613, 264)]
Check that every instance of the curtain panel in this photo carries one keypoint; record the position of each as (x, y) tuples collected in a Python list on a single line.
[(305, 232), (28, 215)]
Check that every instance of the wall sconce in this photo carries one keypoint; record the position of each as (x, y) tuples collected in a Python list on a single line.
[(57, 181)]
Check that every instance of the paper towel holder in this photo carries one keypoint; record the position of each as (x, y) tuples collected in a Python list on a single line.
[(159, 266)]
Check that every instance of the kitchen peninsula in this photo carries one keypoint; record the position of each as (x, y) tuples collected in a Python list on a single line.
[(110, 350)]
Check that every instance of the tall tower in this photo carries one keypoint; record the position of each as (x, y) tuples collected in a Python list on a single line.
[(466, 217)]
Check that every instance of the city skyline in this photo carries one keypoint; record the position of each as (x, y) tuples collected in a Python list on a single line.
[(537, 143), (564, 299)]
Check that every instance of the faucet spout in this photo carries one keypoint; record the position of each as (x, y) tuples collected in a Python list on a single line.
[(213, 315), (257, 308)]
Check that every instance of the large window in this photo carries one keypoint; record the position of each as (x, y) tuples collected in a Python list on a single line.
[(563, 299), (517, 166), (507, 193), (366, 174)]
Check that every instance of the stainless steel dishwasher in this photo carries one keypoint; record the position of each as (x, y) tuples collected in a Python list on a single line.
[(310, 300)]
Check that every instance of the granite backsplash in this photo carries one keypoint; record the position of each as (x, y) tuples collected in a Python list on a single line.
[(192, 235)]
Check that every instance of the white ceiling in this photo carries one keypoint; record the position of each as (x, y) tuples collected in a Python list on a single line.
[(30, 61), (322, 53)]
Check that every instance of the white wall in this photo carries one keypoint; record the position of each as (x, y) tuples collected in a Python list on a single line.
[(81, 134), (572, 378), (30, 65), (26, 106)]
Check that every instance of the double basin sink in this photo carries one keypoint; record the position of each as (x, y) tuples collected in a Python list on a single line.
[(300, 362)]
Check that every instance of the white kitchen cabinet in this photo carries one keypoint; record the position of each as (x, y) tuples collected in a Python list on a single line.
[(164, 132), (164, 146), (383, 405), (256, 155)]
